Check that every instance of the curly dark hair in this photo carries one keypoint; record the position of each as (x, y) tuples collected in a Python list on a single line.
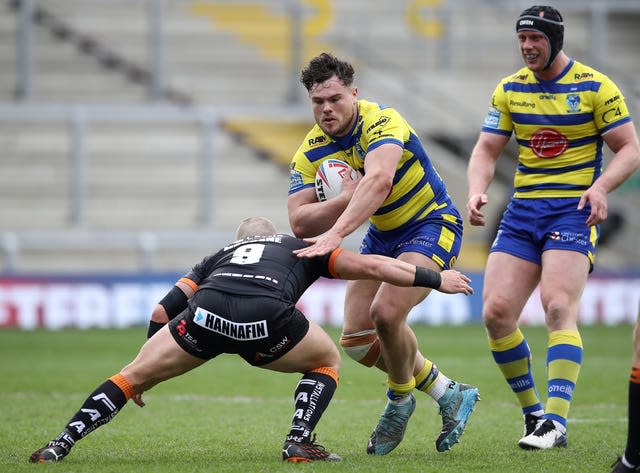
[(323, 67)]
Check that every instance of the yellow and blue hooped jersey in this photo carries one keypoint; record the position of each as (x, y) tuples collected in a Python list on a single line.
[(417, 188), (558, 125)]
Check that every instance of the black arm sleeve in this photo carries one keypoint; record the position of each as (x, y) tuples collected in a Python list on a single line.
[(174, 302), (153, 328)]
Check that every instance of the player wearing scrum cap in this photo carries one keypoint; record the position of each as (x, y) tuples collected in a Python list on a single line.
[(561, 112)]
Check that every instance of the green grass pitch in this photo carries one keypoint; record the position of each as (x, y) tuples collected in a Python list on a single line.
[(229, 417)]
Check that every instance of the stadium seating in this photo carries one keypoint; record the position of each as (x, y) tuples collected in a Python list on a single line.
[(145, 177)]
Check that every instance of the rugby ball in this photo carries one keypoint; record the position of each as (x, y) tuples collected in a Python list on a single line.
[(329, 178)]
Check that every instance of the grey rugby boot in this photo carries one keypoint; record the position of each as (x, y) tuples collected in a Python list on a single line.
[(390, 429), (455, 408)]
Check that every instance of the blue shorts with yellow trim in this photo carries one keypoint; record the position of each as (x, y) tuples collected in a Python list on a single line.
[(437, 236), (530, 227)]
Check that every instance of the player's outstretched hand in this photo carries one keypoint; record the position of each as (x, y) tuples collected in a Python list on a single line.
[(454, 282), (137, 398), (319, 246)]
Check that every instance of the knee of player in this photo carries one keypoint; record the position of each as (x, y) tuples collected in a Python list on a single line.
[(557, 309), (636, 343), (495, 310), (499, 324), (332, 359), (635, 358), (490, 319), (385, 317), (137, 379), (363, 346)]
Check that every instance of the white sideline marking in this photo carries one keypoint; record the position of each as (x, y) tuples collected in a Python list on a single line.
[(252, 400), (596, 420), (182, 397), (287, 400)]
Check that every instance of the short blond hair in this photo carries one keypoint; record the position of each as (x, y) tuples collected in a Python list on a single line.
[(255, 226)]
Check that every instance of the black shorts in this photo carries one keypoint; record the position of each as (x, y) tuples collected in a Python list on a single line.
[(259, 329)]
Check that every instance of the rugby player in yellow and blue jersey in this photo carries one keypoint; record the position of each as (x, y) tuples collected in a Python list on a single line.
[(561, 112), (411, 218)]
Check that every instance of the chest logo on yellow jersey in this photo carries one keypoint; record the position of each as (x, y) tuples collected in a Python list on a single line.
[(317, 140), (359, 151), (522, 104), (548, 143), (380, 122), (583, 76), (573, 102)]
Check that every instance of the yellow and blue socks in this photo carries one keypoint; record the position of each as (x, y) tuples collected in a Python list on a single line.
[(432, 381), (398, 393), (564, 359), (513, 357)]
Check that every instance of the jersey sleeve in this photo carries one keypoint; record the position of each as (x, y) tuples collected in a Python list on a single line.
[(385, 126), (326, 263), (498, 118), (610, 108), (201, 270), (302, 173)]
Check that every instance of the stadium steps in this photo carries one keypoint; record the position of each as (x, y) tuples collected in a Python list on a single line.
[(34, 177), (63, 73), (266, 28), (237, 73), (139, 180), (276, 139), (115, 68), (136, 176)]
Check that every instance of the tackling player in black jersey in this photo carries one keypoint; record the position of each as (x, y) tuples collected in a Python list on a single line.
[(242, 300)]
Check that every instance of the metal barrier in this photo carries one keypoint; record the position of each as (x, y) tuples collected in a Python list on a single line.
[(147, 244), (79, 117)]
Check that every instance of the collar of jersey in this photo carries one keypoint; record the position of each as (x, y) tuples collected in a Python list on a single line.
[(559, 76), (348, 140)]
